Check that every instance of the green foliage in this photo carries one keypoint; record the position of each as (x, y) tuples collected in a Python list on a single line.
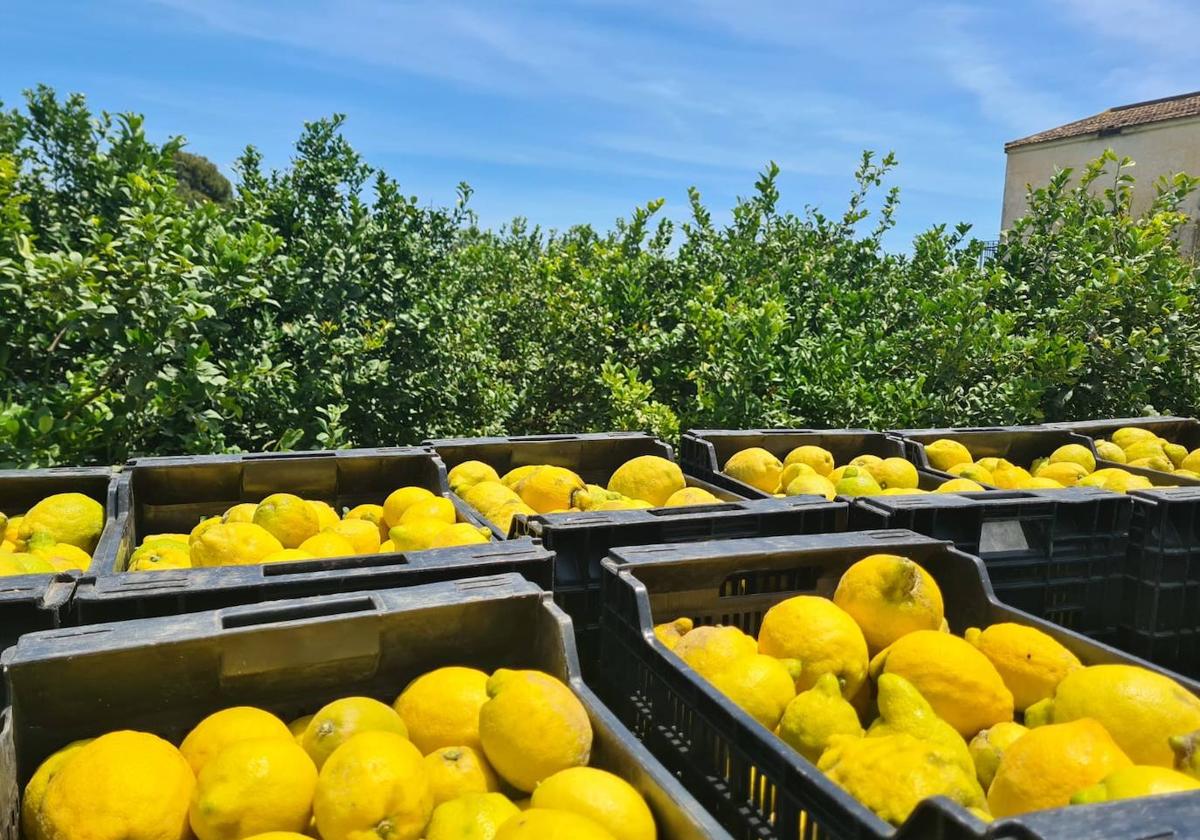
[(198, 179), (320, 307)]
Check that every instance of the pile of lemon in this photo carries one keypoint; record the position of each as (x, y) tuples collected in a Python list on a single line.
[(809, 470), (873, 688), (1067, 466), (647, 481), (284, 527), (458, 755), (57, 534), (1136, 447)]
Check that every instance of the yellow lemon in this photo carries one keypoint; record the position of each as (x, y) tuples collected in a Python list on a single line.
[(462, 533), (202, 526), (1134, 782), (1157, 462), (19, 563), (1066, 473), (1011, 478), (327, 517), (669, 633), (865, 460), (814, 717), (811, 485), (711, 648), (288, 518), (545, 824), (960, 683), (902, 709), (760, 685), (1124, 482), (71, 518), (160, 557), (1130, 435), (972, 472), (288, 555), (469, 473), (1074, 453), (361, 534), (549, 489), (531, 727), (888, 596), (793, 471), (327, 544), (1030, 662), (233, 544), (988, 746), (514, 476), (1046, 766), (606, 799), (251, 787), (1192, 462), (337, 722), (945, 453), (438, 508), (649, 478), (372, 514), (387, 547), (31, 802), (122, 786), (453, 771), (299, 725), (240, 513), (1109, 451), (374, 784), (1149, 448), (227, 727), (280, 835), (486, 496), (894, 473), (473, 816), (1040, 483), (816, 458), (821, 635), (441, 708), (691, 496), (756, 467), (959, 485), (400, 500), (857, 481), (1176, 453), (416, 536)]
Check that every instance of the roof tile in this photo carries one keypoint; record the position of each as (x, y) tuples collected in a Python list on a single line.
[(1114, 119)]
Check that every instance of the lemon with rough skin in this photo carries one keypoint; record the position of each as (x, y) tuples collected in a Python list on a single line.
[(288, 518), (1192, 462), (473, 816), (1074, 453), (1040, 483), (1046, 766), (299, 725), (233, 544), (503, 516), (440, 708), (971, 472), (288, 555), (327, 517), (160, 556), (606, 799), (438, 508), (1140, 708), (1125, 482), (960, 683), (1157, 462), (755, 466), (762, 686), (549, 489), (453, 771), (372, 514), (387, 547), (416, 536), (280, 835), (1109, 451), (122, 786), (669, 633), (1130, 435), (814, 717), (691, 496), (1011, 478), (461, 533), (240, 513), (865, 460), (363, 535), (959, 485), (71, 518), (945, 453), (466, 475), (31, 802), (711, 648), (894, 473), (373, 785), (821, 635), (327, 544), (649, 478), (1135, 782), (902, 710), (488, 495), (517, 474), (20, 563), (531, 727), (893, 773), (888, 596), (793, 471), (251, 787), (811, 485), (202, 526), (1030, 662), (545, 824), (988, 746), (1149, 448), (400, 500), (857, 481), (816, 458), (1187, 754), (1066, 473), (1182, 473), (1176, 453), (337, 722), (227, 727), (993, 464)]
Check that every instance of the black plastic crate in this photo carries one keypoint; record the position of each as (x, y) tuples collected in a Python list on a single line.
[(580, 541), (1058, 554), (703, 452), (755, 784), (163, 675), (1021, 445), (1181, 430)]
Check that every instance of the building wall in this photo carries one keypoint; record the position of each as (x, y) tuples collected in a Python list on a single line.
[(1158, 149)]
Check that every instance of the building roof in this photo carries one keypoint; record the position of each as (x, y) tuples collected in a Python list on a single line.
[(1115, 119)]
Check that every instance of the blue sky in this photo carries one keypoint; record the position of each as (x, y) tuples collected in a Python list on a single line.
[(578, 110)]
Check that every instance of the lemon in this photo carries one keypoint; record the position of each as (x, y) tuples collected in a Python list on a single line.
[(372, 514), (888, 596), (416, 536), (514, 476), (1176, 453), (811, 485), (902, 710), (793, 471), (335, 723), (288, 555), (1130, 435), (240, 513), (361, 534), (606, 799), (233, 544), (462, 533), (1046, 766), (1133, 782), (992, 464), (288, 518), (1030, 662), (71, 518), (814, 717), (1192, 462), (473, 816), (1066, 473), (297, 726), (488, 495), (441, 708), (280, 835), (865, 460), (988, 746), (857, 481), (20, 563), (202, 526), (710, 649), (1074, 453), (162, 556), (227, 727), (691, 496), (387, 547), (7, 547), (1040, 483), (327, 517), (531, 727), (549, 489), (327, 544), (1148, 448), (1157, 462), (469, 473), (892, 473), (816, 458), (944, 454), (835, 475), (757, 467), (438, 508), (1011, 478), (122, 786), (1109, 451), (671, 632), (400, 500), (10, 533), (893, 773), (453, 771), (1182, 473), (960, 683), (959, 485), (251, 787), (31, 802), (1140, 708), (648, 477), (821, 635), (760, 685), (1125, 482), (972, 472), (374, 784), (545, 824)]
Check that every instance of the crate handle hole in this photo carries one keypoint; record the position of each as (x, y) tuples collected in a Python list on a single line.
[(276, 615)]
